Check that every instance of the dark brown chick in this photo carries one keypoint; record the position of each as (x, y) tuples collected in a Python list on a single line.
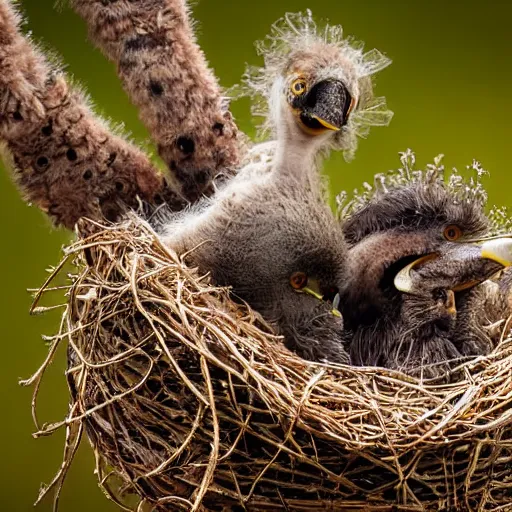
[(435, 291), (411, 329)]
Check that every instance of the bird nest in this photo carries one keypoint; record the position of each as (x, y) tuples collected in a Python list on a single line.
[(191, 403)]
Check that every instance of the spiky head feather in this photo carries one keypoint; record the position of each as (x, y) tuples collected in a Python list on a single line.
[(296, 39), (437, 190)]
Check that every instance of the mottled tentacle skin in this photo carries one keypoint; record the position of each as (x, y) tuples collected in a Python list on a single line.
[(66, 160), (166, 76)]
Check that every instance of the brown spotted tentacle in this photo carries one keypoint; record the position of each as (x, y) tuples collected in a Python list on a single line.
[(66, 160), (166, 76)]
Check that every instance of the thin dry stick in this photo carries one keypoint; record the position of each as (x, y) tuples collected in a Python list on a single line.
[(306, 437), (66, 159), (165, 74)]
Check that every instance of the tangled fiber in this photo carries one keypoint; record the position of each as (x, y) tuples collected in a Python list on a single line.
[(191, 403)]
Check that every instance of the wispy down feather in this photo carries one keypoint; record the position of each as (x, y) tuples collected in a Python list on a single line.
[(462, 187), (298, 33)]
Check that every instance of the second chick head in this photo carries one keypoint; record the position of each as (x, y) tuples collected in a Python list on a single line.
[(410, 216), (413, 260)]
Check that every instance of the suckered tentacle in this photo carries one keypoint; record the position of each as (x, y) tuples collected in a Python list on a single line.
[(66, 160)]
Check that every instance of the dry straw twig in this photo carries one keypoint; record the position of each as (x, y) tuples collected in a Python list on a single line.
[(191, 403)]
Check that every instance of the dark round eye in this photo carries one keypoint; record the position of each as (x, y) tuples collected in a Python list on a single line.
[(298, 280), (440, 294), (330, 294), (298, 86), (452, 232)]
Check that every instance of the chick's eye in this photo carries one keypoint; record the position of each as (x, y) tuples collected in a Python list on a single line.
[(298, 86), (298, 280), (452, 232), (440, 294)]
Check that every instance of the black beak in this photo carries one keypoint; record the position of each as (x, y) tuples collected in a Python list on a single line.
[(327, 106)]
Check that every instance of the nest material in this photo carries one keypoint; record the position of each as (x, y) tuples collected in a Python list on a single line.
[(190, 402)]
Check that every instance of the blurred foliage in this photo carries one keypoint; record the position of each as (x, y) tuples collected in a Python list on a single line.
[(449, 87)]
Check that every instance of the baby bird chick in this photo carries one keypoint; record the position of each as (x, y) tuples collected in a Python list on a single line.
[(269, 233), (435, 288), (327, 82), (409, 270)]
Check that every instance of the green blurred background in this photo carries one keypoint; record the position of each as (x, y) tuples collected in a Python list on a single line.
[(449, 87)]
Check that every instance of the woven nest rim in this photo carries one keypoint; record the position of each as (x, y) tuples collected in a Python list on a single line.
[(364, 411)]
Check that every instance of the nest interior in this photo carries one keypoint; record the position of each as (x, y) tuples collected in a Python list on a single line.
[(191, 403)]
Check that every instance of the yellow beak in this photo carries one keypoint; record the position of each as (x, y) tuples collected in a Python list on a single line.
[(498, 250), (319, 296), (327, 125)]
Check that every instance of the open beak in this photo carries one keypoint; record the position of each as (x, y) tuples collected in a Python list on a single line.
[(403, 280), (326, 124), (470, 265), (327, 107), (498, 250)]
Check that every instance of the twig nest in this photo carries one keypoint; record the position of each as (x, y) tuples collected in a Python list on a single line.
[(191, 403)]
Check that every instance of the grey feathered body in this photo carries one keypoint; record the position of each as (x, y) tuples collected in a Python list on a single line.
[(271, 222), (253, 235)]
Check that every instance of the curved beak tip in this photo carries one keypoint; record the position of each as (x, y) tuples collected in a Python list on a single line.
[(336, 306), (327, 125), (403, 281)]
